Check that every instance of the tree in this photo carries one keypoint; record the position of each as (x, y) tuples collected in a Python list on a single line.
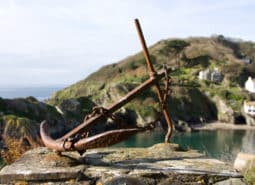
[(174, 46)]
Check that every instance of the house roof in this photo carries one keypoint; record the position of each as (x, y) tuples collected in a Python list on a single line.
[(252, 79)]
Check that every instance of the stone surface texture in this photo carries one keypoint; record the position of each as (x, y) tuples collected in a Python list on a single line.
[(160, 164)]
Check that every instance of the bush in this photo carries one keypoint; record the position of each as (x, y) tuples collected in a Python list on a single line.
[(235, 69), (15, 149), (249, 173), (231, 95), (2, 163), (236, 97), (132, 65), (224, 94), (177, 45), (203, 60)]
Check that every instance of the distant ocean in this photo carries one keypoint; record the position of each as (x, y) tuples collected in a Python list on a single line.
[(40, 93)]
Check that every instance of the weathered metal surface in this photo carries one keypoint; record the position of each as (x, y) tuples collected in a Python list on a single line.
[(77, 138), (152, 74), (100, 140)]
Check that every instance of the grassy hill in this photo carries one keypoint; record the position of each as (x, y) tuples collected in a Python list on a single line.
[(191, 100)]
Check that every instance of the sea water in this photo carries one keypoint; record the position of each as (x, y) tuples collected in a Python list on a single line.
[(219, 144), (40, 93)]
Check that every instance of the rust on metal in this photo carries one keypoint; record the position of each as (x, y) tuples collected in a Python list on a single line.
[(153, 73), (78, 139)]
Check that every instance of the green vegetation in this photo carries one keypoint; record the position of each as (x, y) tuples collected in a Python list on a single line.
[(200, 60), (188, 57), (23, 125), (249, 173), (175, 46), (86, 104), (2, 163), (143, 111), (28, 108), (250, 176), (20, 119), (85, 107), (231, 44)]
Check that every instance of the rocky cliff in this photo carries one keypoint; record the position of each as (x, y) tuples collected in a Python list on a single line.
[(19, 125)]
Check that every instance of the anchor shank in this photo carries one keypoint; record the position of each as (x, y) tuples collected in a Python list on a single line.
[(145, 49), (153, 73)]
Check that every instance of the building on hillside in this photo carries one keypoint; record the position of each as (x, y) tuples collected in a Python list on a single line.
[(246, 60), (204, 75), (249, 107), (214, 76), (250, 85)]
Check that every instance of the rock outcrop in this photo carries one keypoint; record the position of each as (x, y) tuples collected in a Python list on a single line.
[(249, 120), (19, 125), (160, 164), (225, 113)]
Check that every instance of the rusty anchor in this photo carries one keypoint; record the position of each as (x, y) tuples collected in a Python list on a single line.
[(78, 139)]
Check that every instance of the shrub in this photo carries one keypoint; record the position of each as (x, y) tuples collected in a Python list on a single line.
[(2, 163), (177, 45), (249, 173), (132, 65), (15, 149)]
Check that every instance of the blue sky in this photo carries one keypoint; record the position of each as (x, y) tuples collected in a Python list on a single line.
[(48, 42)]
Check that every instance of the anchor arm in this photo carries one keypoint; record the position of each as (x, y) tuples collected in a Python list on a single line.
[(100, 140)]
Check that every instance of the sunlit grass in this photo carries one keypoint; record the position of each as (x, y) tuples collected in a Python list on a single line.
[(249, 173)]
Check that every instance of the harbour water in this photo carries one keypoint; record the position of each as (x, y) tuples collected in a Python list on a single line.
[(220, 144)]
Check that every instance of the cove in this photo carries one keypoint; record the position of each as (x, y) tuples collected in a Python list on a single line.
[(219, 144)]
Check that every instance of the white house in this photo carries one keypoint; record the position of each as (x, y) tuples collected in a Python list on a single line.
[(214, 75), (250, 85), (249, 107), (246, 61), (204, 75)]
